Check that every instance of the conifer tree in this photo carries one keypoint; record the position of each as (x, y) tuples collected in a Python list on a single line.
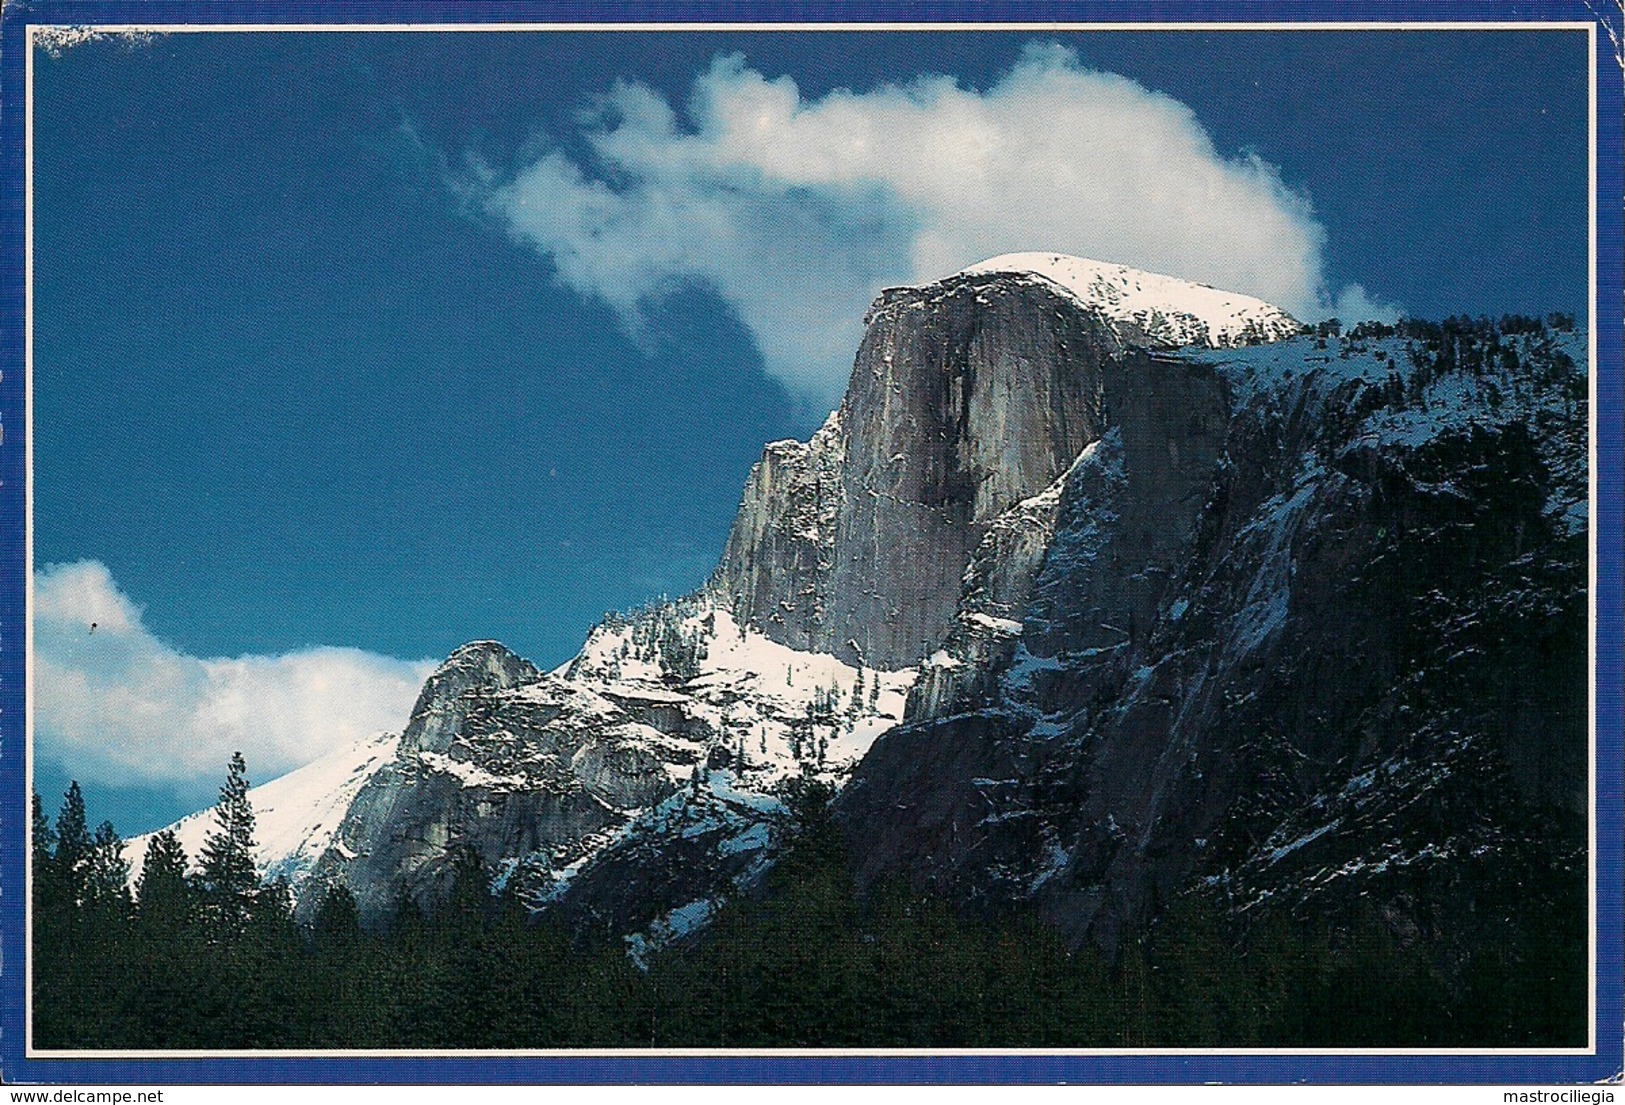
[(468, 904), (337, 918), (42, 844), (272, 907), (42, 839), (107, 872), (51, 912), (163, 893), (72, 858), (228, 876)]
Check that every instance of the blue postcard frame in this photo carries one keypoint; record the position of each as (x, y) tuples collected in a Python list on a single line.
[(1168, 1066)]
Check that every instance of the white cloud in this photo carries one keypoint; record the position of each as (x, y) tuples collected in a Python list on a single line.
[(117, 706), (1355, 304), (796, 211)]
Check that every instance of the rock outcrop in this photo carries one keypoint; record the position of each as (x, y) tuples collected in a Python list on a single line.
[(669, 736)]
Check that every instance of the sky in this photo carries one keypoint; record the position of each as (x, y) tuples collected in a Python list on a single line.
[(350, 348)]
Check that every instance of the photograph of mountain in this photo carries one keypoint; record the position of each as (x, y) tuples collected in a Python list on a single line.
[(1096, 527)]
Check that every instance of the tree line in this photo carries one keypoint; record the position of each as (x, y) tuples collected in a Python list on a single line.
[(210, 956)]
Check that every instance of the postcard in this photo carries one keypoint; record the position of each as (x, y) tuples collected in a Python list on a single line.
[(856, 544)]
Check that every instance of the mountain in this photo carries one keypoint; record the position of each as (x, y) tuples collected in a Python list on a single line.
[(1100, 592)]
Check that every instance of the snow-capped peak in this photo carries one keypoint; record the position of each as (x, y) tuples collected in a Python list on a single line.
[(1163, 309)]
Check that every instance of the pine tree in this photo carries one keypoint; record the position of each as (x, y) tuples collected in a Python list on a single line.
[(50, 921), (42, 844), (107, 875), (72, 858), (228, 876), (42, 839), (468, 905), (337, 918), (164, 895), (271, 908)]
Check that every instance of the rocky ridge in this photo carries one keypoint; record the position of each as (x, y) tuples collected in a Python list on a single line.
[(672, 732)]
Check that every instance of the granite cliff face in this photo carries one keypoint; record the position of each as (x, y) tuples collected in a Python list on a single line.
[(967, 397)]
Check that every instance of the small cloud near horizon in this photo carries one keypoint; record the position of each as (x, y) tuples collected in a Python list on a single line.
[(797, 211), (117, 706)]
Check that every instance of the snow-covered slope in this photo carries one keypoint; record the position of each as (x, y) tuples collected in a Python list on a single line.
[(1163, 309), (779, 711), (295, 815)]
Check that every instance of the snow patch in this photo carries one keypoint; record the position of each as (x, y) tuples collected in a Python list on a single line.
[(1164, 307), (1277, 854)]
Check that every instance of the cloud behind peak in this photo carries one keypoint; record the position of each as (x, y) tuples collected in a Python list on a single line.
[(796, 211)]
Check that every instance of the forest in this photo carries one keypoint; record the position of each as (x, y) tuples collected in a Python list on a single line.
[(203, 955)]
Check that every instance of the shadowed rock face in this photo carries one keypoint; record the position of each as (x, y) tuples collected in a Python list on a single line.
[(966, 397), (1313, 645), (1084, 566)]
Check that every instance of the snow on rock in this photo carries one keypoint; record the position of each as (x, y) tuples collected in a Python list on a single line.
[(1162, 308), (675, 925), (674, 727), (775, 711)]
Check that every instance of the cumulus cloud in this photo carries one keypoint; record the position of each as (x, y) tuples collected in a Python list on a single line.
[(796, 211), (119, 707)]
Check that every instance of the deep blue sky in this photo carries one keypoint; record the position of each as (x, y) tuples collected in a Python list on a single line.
[(292, 394)]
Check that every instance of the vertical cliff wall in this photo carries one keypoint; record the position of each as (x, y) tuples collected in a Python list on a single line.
[(966, 397)]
